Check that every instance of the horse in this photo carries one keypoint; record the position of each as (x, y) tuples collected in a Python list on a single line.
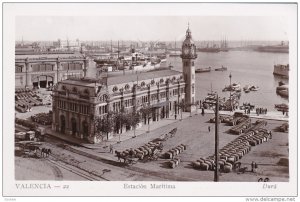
[(45, 152)]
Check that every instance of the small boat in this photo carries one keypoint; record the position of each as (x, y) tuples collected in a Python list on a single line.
[(247, 90), (246, 87), (281, 107), (202, 70), (254, 88), (280, 83), (234, 87), (283, 93), (221, 69)]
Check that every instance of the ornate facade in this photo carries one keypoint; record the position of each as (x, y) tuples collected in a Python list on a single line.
[(77, 102), (44, 70), (188, 56)]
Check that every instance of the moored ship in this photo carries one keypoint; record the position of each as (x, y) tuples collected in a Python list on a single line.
[(221, 69), (202, 70), (281, 70)]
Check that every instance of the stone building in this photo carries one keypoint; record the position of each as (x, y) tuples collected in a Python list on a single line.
[(43, 70), (77, 102)]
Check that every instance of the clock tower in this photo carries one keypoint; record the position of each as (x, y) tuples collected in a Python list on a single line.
[(188, 56)]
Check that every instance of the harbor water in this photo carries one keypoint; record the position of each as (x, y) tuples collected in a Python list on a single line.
[(246, 67)]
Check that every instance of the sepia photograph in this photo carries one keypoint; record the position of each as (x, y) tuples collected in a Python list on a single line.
[(151, 101)]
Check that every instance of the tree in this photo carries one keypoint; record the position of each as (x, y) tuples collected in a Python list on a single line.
[(120, 119), (146, 112), (133, 120), (104, 125), (181, 106)]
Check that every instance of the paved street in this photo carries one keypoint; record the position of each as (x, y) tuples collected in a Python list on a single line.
[(193, 132)]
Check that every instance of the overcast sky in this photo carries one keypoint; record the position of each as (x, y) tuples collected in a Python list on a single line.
[(150, 28)]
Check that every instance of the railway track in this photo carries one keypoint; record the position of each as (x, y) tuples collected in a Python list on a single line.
[(76, 170)]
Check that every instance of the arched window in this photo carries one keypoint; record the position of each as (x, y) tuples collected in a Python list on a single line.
[(152, 82), (143, 84), (74, 90), (161, 80), (115, 89), (64, 88), (127, 87), (174, 78)]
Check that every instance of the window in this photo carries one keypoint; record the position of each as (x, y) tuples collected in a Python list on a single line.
[(115, 89), (193, 88), (152, 82), (161, 80), (18, 68), (143, 84), (127, 87)]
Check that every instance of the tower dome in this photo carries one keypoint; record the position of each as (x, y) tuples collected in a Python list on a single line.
[(188, 38)]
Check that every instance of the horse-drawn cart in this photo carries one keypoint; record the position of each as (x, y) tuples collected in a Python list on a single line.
[(27, 148)]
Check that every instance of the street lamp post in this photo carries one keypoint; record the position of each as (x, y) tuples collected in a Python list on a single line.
[(216, 103), (216, 176), (230, 90)]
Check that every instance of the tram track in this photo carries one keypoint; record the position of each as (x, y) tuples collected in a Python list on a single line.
[(75, 169)]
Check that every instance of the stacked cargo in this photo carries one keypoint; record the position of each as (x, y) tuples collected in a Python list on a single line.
[(233, 151)]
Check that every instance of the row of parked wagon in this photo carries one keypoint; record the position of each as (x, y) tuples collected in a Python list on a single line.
[(42, 118), (25, 98), (172, 153), (233, 151), (284, 127), (148, 151), (241, 127), (236, 119)]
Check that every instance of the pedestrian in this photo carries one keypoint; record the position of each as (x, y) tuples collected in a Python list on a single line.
[(266, 110), (208, 128), (282, 112), (175, 116), (270, 134), (202, 111), (111, 149), (252, 166), (255, 167)]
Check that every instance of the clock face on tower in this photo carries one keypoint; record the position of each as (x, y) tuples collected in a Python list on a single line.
[(186, 51)]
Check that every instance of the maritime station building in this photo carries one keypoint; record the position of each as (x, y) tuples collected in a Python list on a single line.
[(78, 102), (44, 70)]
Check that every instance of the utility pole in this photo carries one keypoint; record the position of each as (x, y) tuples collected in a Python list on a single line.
[(216, 176), (230, 92)]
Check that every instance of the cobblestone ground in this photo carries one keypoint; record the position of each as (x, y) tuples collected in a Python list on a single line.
[(193, 132)]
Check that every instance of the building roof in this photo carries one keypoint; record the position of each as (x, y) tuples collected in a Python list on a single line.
[(87, 81), (129, 76), (118, 78), (48, 56)]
